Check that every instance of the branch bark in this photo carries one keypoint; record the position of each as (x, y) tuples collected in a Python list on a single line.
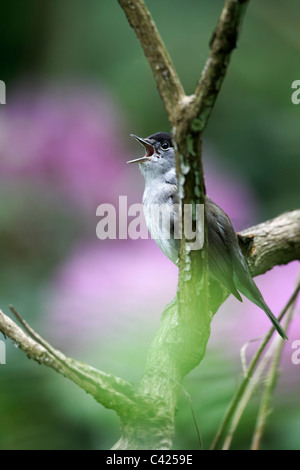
[(272, 243)]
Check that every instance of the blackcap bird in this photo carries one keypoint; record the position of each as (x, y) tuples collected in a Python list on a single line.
[(226, 261)]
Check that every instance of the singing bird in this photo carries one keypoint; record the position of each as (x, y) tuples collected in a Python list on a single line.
[(226, 261)]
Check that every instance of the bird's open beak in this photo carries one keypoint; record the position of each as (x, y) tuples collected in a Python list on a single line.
[(148, 147)]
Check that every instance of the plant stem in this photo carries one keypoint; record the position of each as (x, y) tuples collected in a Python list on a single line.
[(233, 406), (270, 383)]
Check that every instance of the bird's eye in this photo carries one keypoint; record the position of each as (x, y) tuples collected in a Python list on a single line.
[(165, 145)]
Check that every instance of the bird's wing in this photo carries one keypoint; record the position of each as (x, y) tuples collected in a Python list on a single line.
[(228, 264), (219, 259)]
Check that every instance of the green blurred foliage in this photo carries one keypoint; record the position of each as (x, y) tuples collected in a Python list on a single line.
[(254, 129)]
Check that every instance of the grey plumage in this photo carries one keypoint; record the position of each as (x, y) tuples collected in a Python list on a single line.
[(225, 258)]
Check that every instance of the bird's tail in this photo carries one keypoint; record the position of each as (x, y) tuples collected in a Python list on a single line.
[(253, 293), (273, 319)]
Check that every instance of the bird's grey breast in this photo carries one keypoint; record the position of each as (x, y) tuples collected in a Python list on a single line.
[(160, 202)]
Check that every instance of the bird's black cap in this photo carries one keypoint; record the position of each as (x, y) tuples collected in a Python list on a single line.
[(161, 137)]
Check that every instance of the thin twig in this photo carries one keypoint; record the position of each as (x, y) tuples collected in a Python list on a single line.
[(167, 81), (241, 389), (270, 383), (255, 380), (112, 392), (248, 392), (266, 398), (34, 335), (222, 43), (243, 354)]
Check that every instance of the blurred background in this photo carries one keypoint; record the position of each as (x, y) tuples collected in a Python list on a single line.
[(77, 84)]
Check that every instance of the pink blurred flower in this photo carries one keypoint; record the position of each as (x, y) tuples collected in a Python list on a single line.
[(109, 288), (67, 139)]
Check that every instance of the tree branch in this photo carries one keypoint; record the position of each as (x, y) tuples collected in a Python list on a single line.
[(155, 400), (168, 83), (222, 43), (112, 392), (188, 116), (147, 416), (272, 243), (184, 331)]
